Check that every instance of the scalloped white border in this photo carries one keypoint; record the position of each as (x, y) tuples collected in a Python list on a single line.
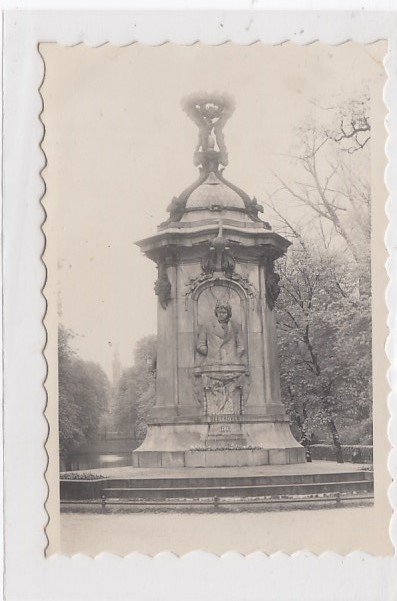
[(30, 576)]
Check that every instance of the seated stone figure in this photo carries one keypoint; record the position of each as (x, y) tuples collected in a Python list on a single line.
[(220, 342)]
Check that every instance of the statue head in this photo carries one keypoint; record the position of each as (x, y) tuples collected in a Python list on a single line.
[(223, 312)]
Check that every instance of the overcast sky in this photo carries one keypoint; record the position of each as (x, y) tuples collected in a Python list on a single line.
[(119, 147)]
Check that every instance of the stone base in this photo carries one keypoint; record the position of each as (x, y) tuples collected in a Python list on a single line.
[(198, 445), (156, 485), (218, 458)]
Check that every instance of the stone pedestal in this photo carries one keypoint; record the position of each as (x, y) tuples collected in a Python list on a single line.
[(209, 410)]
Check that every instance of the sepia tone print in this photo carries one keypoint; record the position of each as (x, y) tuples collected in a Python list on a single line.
[(220, 378)]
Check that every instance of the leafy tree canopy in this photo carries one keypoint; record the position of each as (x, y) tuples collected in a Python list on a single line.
[(135, 392), (84, 391)]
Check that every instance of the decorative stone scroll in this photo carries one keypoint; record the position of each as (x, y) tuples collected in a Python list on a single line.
[(243, 281), (162, 286), (272, 284)]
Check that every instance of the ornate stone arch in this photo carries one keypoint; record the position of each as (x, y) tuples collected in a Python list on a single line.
[(227, 378)]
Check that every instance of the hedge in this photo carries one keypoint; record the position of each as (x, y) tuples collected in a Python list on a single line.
[(351, 453)]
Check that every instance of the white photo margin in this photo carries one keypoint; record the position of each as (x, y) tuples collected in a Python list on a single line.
[(29, 575)]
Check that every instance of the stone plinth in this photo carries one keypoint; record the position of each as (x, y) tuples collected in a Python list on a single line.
[(187, 427), (190, 445)]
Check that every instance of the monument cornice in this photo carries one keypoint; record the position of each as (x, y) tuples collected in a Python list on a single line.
[(265, 243)]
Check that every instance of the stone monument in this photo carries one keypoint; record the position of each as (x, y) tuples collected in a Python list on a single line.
[(218, 399)]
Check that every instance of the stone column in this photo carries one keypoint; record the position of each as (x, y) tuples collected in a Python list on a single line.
[(255, 404), (187, 403), (166, 377), (273, 402)]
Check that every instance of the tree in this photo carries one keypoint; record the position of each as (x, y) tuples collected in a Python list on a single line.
[(331, 187), (351, 127), (324, 310), (83, 396), (324, 341), (135, 393), (70, 430)]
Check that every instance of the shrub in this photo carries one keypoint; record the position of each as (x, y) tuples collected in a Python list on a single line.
[(81, 476), (351, 453)]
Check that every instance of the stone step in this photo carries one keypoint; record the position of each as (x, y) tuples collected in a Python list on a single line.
[(211, 481), (242, 491), (75, 489)]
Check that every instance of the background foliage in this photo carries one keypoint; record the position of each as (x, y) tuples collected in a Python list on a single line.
[(134, 394), (84, 392), (324, 309)]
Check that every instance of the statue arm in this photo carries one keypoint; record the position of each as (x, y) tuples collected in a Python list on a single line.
[(240, 342), (202, 344)]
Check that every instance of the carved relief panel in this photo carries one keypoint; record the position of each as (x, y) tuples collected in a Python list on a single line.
[(221, 330), (221, 354)]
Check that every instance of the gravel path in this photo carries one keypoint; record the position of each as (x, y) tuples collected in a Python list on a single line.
[(341, 530)]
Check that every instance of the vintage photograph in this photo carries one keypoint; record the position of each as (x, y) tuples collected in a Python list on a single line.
[(214, 231)]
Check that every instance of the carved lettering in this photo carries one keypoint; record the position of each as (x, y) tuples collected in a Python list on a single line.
[(225, 429)]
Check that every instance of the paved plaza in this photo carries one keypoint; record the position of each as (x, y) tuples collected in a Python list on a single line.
[(283, 531), (316, 467)]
